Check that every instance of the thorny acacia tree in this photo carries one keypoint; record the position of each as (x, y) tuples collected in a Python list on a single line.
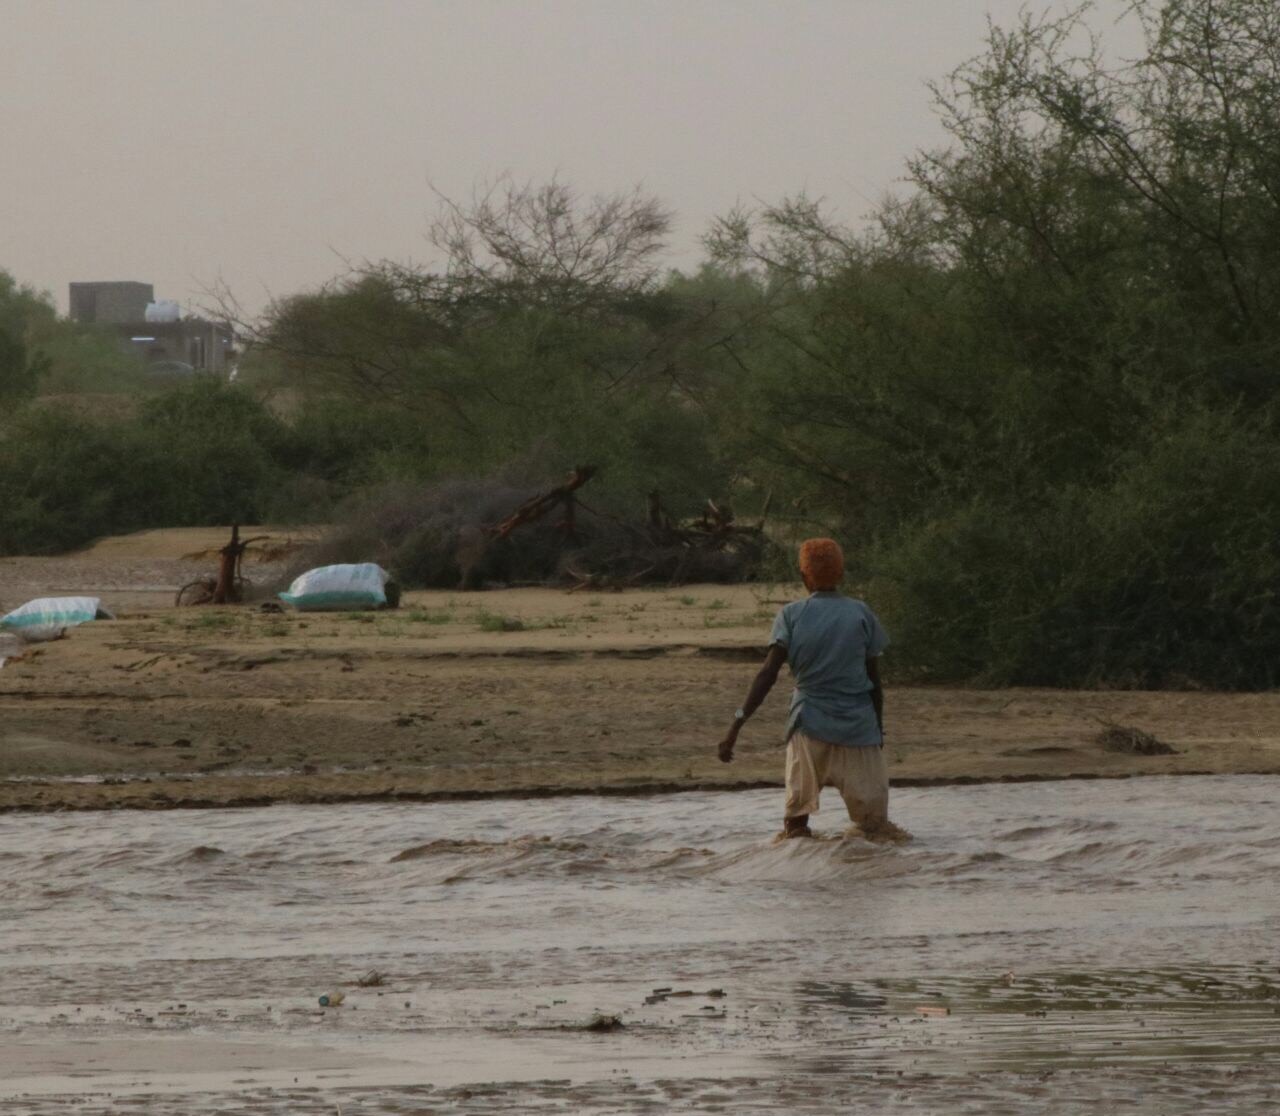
[(543, 243), (1043, 391), (547, 324)]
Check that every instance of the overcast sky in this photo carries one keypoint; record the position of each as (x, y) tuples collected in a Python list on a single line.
[(260, 141)]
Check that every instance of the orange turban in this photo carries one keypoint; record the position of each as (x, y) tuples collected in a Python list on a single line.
[(822, 562)]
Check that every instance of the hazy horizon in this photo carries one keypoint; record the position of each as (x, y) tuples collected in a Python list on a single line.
[(185, 144)]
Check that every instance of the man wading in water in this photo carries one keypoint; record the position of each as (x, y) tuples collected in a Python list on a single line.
[(835, 735)]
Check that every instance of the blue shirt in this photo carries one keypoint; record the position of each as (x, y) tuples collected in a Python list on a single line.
[(828, 638)]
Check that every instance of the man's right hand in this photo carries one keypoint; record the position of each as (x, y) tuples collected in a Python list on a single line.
[(726, 747)]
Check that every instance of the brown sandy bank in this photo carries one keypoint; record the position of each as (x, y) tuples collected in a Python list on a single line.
[(513, 692)]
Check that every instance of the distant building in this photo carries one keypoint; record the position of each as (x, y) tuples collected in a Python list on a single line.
[(154, 330), (110, 303)]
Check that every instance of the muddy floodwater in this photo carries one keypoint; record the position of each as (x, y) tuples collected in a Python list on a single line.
[(1049, 947)]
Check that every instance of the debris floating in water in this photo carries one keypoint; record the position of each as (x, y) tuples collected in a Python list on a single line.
[(660, 994), (605, 1023)]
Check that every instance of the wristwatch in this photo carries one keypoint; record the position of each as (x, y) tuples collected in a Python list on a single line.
[(739, 714)]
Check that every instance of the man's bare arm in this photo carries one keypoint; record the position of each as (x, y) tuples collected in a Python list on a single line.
[(877, 693), (760, 687)]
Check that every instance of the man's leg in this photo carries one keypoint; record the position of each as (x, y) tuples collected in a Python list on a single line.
[(806, 772), (863, 779), (797, 826)]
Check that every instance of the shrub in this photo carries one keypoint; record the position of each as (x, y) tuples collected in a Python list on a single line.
[(1164, 576)]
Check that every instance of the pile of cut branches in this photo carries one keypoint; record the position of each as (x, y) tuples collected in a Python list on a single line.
[(712, 547), (468, 533)]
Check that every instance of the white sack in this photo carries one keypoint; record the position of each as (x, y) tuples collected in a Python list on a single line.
[(338, 588), (49, 617)]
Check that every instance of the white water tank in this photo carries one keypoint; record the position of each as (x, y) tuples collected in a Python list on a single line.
[(163, 310)]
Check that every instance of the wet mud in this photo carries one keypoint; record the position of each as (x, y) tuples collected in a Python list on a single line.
[(515, 692)]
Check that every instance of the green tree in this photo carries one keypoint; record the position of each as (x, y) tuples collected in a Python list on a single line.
[(63, 481), (23, 311), (206, 453), (549, 336), (984, 390)]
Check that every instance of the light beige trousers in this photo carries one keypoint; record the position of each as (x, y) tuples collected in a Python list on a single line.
[(859, 774)]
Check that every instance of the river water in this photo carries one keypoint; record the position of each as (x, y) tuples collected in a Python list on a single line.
[(1046, 947)]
